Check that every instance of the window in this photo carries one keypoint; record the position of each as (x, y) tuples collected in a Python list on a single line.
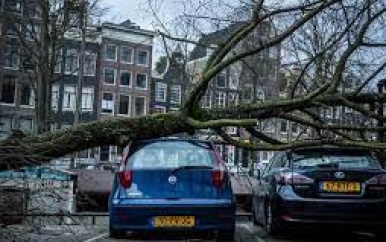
[(58, 61), (109, 76), (221, 80), (143, 57), (69, 98), (87, 98), (28, 60), (233, 99), (32, 32), (260, 94), (126, 78), (11, 53), (160, 91), (26, 125), (207, 100), (107, 103), (89, 64), (175, 94), (126, 54), (159, 109), (171, 110), (124, 105), (221, 99), (27, 95), (284, 126), (141, 81), (12, 30), (231, 130), (248, 92), (8, 91), (13, 6), (140, 106), (110, 52), (5, 126), (34, 11), (71, 62), (55, 97)]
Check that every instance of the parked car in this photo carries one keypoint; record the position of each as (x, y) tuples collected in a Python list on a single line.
[(172, 184), (337, 187)]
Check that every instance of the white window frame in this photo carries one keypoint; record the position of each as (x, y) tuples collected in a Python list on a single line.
[(104, 76), (147, 59), (145, 105), (131, 78), (132, 54), (179, 89), (89, 54), (207, 97), (18, 55), (113, 103), (136, 81), (73, 102), (105, 53), (174, 109), (74, 72), (90, 93), (14, 96), (55, 98), (221, 98), (159, 107), (59, 61), (129, 106), (160, 90), (32, 98)]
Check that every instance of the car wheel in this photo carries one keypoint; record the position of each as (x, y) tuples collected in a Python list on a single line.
[(116, 233), (272, 227), (226, 235)]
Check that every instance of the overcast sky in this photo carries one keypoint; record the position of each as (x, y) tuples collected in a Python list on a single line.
[(135, 10)]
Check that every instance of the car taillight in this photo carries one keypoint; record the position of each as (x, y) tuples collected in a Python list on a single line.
[(218, 178), (125, 178), (377, 180), (293, 178)]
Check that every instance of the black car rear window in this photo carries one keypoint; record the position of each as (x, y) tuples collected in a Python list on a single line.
[(170, 155), (334, 159)]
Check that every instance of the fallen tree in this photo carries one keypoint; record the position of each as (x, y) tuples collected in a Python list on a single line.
[(299, 107)]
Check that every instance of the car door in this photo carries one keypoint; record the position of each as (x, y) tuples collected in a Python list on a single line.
[(262, 189)]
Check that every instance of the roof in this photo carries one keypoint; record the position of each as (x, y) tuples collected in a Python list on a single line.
[(214, 38)]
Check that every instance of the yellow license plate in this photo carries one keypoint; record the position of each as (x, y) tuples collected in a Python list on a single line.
[(174, 221), (341, 187)]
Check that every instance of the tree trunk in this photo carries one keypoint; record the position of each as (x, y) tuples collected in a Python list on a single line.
[(16, 151)]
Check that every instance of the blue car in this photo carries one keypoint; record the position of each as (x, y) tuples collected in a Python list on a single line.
[(172, 184), (327, 187)]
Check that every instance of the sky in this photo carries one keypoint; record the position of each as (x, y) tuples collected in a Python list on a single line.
[(135, 10)]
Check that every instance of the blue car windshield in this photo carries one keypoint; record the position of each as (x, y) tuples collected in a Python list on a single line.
[(170, 155), (339, 161)]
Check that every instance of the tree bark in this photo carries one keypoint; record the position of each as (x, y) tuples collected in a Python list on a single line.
[(19, 151)]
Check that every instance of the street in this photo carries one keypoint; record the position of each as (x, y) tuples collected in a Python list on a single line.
[(245, 232)]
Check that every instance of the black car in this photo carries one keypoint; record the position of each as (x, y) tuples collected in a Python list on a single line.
[(333, 187)]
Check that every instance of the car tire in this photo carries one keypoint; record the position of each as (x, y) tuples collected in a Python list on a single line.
[(226, 235), (116, 233), (271, 226)]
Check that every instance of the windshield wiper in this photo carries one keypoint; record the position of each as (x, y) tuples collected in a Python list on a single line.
[(190, 168)]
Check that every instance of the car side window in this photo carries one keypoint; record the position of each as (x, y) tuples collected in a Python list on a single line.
[(277, 162)]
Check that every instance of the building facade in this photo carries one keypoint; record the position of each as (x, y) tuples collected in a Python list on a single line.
[(254, 79), (169, 85), (126, 61)]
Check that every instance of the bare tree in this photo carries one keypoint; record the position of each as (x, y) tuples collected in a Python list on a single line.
[(360, 34), (40, 34)]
